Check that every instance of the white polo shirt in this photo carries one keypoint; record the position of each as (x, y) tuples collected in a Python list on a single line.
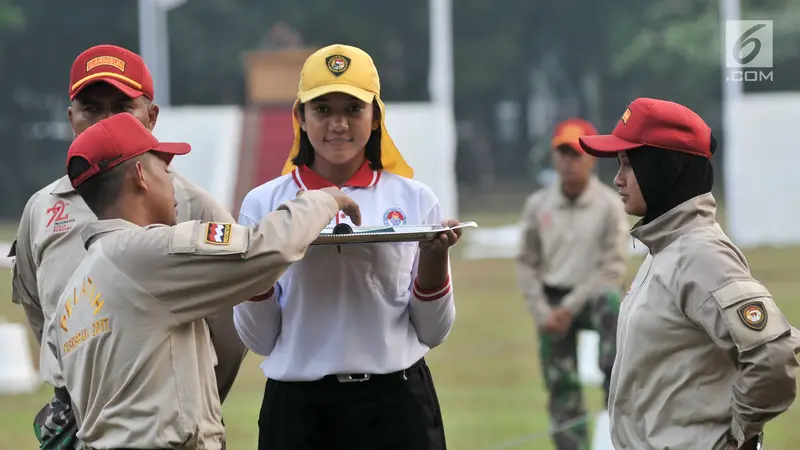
[(352, 308)]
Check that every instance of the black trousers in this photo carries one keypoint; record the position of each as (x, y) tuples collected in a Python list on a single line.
[(398, 411)]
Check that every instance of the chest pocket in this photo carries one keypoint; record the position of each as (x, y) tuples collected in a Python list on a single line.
[(384, 269), (387, 266), (392, 265)]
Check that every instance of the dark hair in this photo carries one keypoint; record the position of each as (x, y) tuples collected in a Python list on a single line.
[(305, 154), (101, 191)]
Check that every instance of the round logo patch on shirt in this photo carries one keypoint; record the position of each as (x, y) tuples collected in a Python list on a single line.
[(394, 217), (753, 315)]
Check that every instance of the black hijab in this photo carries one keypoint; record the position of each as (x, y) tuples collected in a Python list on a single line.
[(668, 178)]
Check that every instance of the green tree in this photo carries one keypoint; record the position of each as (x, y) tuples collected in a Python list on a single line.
[(676, 47), (11, 16)]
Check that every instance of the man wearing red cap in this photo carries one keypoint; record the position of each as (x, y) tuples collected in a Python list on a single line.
[(128, 330), (571, 263), (705, 358), (104, 80)]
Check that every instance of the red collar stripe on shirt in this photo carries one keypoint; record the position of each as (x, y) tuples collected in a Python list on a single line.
[(297, 181), (306, 179)]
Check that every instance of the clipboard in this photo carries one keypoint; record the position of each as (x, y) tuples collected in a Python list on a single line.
[(370, 235)]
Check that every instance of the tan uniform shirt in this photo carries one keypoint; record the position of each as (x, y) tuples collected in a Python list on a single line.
[(128, 330), (49, 248), (579, 244), (703, 352)]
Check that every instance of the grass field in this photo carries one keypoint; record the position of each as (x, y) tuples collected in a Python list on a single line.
[(487, 373)]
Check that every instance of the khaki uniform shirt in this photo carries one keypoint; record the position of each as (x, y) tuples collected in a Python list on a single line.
[(577, 244), (703, 352), (49, 248), (128, 330)]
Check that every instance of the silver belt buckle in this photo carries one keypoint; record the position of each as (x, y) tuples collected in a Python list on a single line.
[(350, 378)]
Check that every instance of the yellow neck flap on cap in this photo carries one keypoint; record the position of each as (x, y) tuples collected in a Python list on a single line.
[(350, 70)]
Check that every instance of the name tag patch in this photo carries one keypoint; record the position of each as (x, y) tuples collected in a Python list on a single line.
[(218, 233), (753, 315)]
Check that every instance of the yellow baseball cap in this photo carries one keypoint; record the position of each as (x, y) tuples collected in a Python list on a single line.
[(349, 70)]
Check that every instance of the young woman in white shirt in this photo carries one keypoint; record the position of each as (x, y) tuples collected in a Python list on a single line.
[(346, 329)]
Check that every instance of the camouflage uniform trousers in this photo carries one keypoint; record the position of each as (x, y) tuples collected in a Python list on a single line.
[(55, 426), (56, 429), (560, 366)]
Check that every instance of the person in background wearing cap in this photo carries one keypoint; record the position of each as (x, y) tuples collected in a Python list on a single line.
[(347, 328), (128, 329), (104, 80), (705, 357), (571, 261)]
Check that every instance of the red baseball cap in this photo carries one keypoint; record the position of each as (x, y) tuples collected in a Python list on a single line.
[(114, 65), (655, 123), (114, 140), (568, 132)]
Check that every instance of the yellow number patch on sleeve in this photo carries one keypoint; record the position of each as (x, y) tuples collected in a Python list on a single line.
[(218, 233)]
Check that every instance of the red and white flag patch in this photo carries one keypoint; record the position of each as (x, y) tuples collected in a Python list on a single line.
[(218, 233)]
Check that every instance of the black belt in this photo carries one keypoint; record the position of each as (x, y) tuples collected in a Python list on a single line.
[(62, 395), (360, 377), (754, 443), (555, 294), (556, 291)]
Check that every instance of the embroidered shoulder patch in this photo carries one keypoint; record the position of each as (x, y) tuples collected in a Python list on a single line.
[(753, 315), (218, 233)]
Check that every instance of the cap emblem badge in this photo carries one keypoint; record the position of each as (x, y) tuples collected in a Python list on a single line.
[(337, 64), (626, 115), (105, 61)]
